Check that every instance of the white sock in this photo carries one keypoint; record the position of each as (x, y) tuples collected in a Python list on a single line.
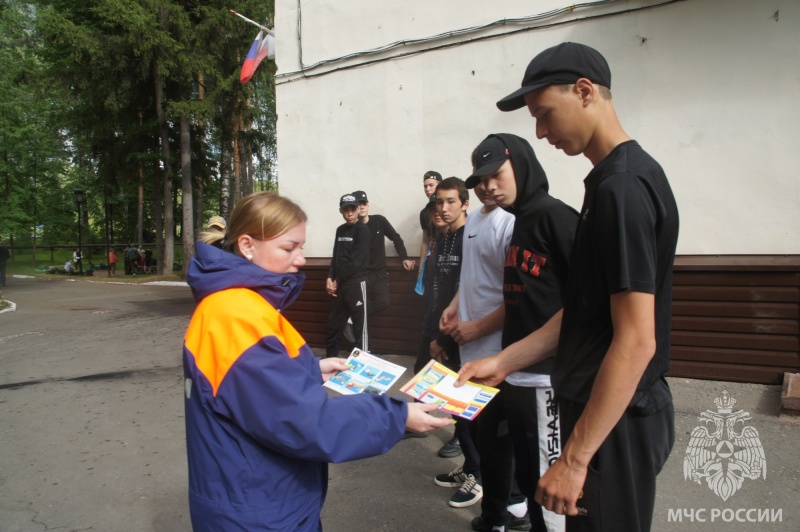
[(519, 509)]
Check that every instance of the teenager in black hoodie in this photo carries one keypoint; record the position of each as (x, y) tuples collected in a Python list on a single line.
[(347, 278), (534, 279)]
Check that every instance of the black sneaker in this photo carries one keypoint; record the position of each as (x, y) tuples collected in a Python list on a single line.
[(514, 523), (453, 479), (468, 494), (451, 449)]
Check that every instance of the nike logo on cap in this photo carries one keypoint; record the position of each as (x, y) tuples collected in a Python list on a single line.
[(472, 236)]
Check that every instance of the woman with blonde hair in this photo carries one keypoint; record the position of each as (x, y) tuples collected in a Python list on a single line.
[(260, 427)]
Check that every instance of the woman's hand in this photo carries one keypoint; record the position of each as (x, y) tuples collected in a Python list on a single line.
[(331, 366), (419, 420)]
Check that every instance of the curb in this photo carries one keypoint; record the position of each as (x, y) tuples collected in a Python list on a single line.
[(11, 307)]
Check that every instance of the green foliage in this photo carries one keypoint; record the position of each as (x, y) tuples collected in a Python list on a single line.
[(77, 102)]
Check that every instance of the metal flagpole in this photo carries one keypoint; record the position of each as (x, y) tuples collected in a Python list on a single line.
[(253, 22)]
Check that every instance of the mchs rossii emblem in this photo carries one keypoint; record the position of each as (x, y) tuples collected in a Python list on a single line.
[(725, 451)]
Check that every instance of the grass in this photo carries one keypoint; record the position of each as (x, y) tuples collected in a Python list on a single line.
[(24, 265)]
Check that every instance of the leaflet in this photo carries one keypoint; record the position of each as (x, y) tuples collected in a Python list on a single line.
[(435, 384), (367, 374)]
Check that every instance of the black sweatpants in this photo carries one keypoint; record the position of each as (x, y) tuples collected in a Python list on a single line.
[(350, 302), (496, 452), (378, 294), (620, 488)]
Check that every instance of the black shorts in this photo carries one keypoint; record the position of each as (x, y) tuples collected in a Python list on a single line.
[(620, 488)]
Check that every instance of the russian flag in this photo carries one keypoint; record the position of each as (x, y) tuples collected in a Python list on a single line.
[(263, 47)]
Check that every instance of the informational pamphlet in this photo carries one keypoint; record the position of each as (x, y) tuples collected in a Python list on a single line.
[(367, 374), (435, 384)]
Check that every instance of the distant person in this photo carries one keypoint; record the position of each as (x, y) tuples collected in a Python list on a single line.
[(77, 259), (260, 427), (217, 223), (133, 255), (148, 260), (5, 254), (380, 229), (430, 322), (126, 259), (112, 261), (347, 278), (430, 179)]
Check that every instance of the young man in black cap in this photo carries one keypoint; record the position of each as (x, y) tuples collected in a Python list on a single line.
[(613, 352), (534, 277), (380, 229), (347, 278)]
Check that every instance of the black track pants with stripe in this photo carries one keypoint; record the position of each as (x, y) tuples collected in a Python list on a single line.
[(350, 302)]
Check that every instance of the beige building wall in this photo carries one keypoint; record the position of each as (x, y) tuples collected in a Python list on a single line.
[(708, 87)]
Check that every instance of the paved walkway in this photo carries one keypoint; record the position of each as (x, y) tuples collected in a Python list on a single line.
[(92, 437)]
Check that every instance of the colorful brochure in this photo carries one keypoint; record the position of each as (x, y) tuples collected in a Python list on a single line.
[(367, 374), (435, 384)]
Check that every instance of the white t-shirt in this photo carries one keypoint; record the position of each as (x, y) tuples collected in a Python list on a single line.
[(486, 239)]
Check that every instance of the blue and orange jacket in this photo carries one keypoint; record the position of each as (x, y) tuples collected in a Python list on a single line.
[(260, 427)]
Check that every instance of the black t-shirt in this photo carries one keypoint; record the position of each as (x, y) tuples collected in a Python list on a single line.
[(5, 254), (626, 240), (350, 254), (425, 221), (447, 274), (380, 228)]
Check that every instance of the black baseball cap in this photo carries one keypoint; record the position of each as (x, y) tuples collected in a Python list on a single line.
[(347, 200), (559, 65), (487, 158), (432, 174), (360, 196)]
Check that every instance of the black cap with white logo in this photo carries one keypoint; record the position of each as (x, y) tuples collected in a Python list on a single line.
[(432, 174), (348, 200), (488, 157)]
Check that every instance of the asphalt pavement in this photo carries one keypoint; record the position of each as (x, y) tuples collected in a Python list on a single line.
[(92, 433)]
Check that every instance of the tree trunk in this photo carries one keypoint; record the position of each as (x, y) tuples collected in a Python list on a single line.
[(225, 173), (237, 167), (158, 213), (165, 258), (187, 226), (35, 217), (140, 201), (199, 179)]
